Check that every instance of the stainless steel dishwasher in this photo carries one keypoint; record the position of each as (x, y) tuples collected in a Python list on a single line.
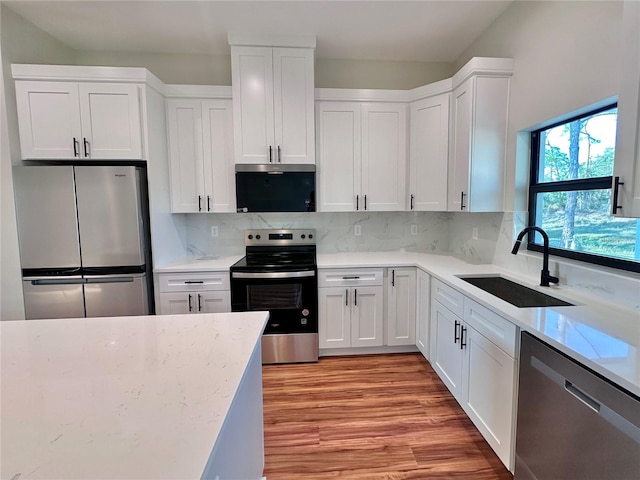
[(572, 424)]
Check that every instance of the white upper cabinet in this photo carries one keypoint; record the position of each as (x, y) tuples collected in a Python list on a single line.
[(361, 156), (68, 120), (479, 110), (626, 172), (429, 154), (201, 155), (273, 99)]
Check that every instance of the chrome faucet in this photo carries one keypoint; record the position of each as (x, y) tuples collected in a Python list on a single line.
[(545, 276)]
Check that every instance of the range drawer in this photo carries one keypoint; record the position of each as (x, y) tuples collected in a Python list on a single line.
[(447, 296), (492, 326), (350, 277), (188, 282)]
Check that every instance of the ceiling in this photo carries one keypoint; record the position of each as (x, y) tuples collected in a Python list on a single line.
[(424, 31)]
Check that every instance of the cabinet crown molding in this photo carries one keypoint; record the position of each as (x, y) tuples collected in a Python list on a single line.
[(298, 41), (77, 73), (197, 91), (487, 66)]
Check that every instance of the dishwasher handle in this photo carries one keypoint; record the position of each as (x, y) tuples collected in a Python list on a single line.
[(582, 396)]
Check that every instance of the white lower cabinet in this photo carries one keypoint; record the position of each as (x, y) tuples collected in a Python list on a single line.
[(475, 358), (401, 306), (423, 312), (350, 308), (206, 292)]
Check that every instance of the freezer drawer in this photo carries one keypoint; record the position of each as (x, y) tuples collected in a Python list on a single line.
[(59, 297), (116, 295)]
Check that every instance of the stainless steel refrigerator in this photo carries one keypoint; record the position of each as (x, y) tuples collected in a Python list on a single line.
[(83, 233)]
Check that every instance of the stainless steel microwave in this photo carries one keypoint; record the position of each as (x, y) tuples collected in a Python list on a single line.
[(275, 188)]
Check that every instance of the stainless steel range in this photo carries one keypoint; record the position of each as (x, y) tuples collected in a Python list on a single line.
[(279, 274)]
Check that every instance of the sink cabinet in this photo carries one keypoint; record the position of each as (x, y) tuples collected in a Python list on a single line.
[(473, 350), (205, 292)]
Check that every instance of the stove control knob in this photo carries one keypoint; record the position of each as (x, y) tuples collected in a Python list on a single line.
[(302, 236), (257, 237), (310, 235), (250, 237)]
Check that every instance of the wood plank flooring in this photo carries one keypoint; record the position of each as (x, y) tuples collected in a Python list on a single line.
[(369, 417)]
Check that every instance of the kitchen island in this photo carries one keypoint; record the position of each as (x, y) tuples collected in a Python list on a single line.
[(176, 396)]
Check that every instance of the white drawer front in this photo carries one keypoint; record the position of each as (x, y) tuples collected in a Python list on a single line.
[(447, 296), (349, 277), (492, 326), (192, 282)]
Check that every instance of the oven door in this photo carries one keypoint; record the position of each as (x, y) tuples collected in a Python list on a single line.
[(290, 297)]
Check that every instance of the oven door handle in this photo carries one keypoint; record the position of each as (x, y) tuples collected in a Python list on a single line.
[(274, 275)]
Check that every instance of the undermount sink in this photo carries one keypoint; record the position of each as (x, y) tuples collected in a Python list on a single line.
[(514, 293)]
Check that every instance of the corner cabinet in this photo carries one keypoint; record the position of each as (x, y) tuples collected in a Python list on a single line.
[(273, 100), (206, 292), (201, 155), (473, 351), (626, 172), (479, 113), (350, 308), (362, 149), (79, 121), (429, 154)]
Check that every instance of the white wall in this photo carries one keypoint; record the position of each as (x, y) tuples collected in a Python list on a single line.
[(20, 42)]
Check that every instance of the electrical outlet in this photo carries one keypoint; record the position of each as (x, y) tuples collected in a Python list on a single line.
[(474, 233), (357, 231), (214, 230), (414, 229)]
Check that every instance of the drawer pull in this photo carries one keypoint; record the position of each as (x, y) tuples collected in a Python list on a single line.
[(189, 282), (351, 278)]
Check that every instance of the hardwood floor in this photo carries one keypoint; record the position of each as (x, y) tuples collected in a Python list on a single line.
[(369, 418)]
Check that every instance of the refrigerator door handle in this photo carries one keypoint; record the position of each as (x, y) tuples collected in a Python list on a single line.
[(59, 281), (110, 280)]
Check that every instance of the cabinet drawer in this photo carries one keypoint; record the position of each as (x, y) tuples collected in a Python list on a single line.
[(495, 328), (350, 277), (447, 296), (188, 282)]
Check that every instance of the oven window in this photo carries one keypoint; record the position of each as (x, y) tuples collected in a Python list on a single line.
[(272, 297)]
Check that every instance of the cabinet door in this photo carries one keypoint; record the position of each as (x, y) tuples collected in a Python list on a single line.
[(111, 122), (176, 303), (339, 159), (627, 161), (423, 311), (401, 303), (334, 317), (429, 154), (252, 86), (293, 101), (460, 155), (489, 392), (445, 352), (48, 120), (367, 317), (384, 151), (184, 122), (213, 302), (219, 167)]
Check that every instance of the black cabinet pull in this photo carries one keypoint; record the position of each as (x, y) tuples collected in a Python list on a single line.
[(355, 277), (86, 147), (279, 155), (614, 201), (75, 147), (411, 202), (462, 207), (208, 203), (357, 202), (456, 324), (355, 297), (462, 332), (270, 154), (193, 281), (199, 203), (393, 278), (346, 297), (365, 202), (190, 306), (199, 304)]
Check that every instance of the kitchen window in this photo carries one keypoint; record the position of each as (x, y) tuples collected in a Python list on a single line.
[(570, 192)]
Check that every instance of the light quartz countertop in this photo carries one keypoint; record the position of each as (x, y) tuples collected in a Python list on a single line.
[(199, 264), (600, 335), (120, 397)]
